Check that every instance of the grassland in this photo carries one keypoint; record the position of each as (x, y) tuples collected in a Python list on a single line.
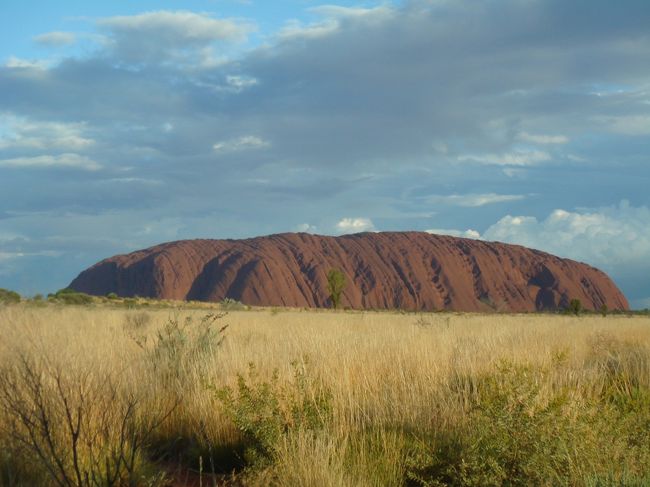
[(102, 395)]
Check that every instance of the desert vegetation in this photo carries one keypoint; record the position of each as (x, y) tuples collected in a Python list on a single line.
[(106, 394)]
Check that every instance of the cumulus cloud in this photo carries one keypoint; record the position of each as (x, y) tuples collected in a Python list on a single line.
[(333, 16), (338, 11), (473, 200), (21, 133), (69, 160), (18, 63), (240, 83), (517, 158), (635, 125), (56, 39), (305, 228), (241, 143), (7, 256), (295, 30), (354, 225), (610, 237), (543, 139), (469, 233), (166, 35)]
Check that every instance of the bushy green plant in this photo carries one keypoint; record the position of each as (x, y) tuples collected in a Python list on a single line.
[(70, 296), (9, 297), (179, 344), (335, 286), (575, 307), (518, 432), (265, 411)]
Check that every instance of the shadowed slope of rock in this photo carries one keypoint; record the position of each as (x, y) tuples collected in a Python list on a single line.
[(407, 270)]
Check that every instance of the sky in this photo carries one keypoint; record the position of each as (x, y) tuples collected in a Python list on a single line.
[(125, 124)]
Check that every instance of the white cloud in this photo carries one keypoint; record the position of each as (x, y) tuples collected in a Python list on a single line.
[(7, 256), (613, 238), (64, 160), (182, 26), (56, 39), (20, 133), (164, 35), (240, 83), (473, 200), (241, 143), (516, 158), (145, 181), (305, 228), (337, 11), (294, 29), (543, 139), (18, 63), (469, 233), (333, 16), (627, 125), (512, 172), (355, 225)]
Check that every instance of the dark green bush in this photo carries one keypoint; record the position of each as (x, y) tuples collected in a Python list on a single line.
[(265, 411), (9, 297), (70, 296), (518, 433), (178, 345), (575, 307), (335, 286)]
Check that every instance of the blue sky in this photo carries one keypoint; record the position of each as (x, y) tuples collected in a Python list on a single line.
[(126, 124)]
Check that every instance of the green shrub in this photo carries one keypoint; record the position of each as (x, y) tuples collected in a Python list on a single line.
[(112, 296), (179, 344), (70, 296), (9, 297), (265, 412), (575, 307), (335, 286), (517, 433)]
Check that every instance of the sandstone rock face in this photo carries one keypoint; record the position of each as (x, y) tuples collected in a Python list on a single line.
[(405, 270)]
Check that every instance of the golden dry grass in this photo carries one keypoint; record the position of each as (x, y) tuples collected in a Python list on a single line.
[(387, 373)]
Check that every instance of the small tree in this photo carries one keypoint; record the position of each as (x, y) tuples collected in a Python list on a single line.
[(335, 286), (575, 307)]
